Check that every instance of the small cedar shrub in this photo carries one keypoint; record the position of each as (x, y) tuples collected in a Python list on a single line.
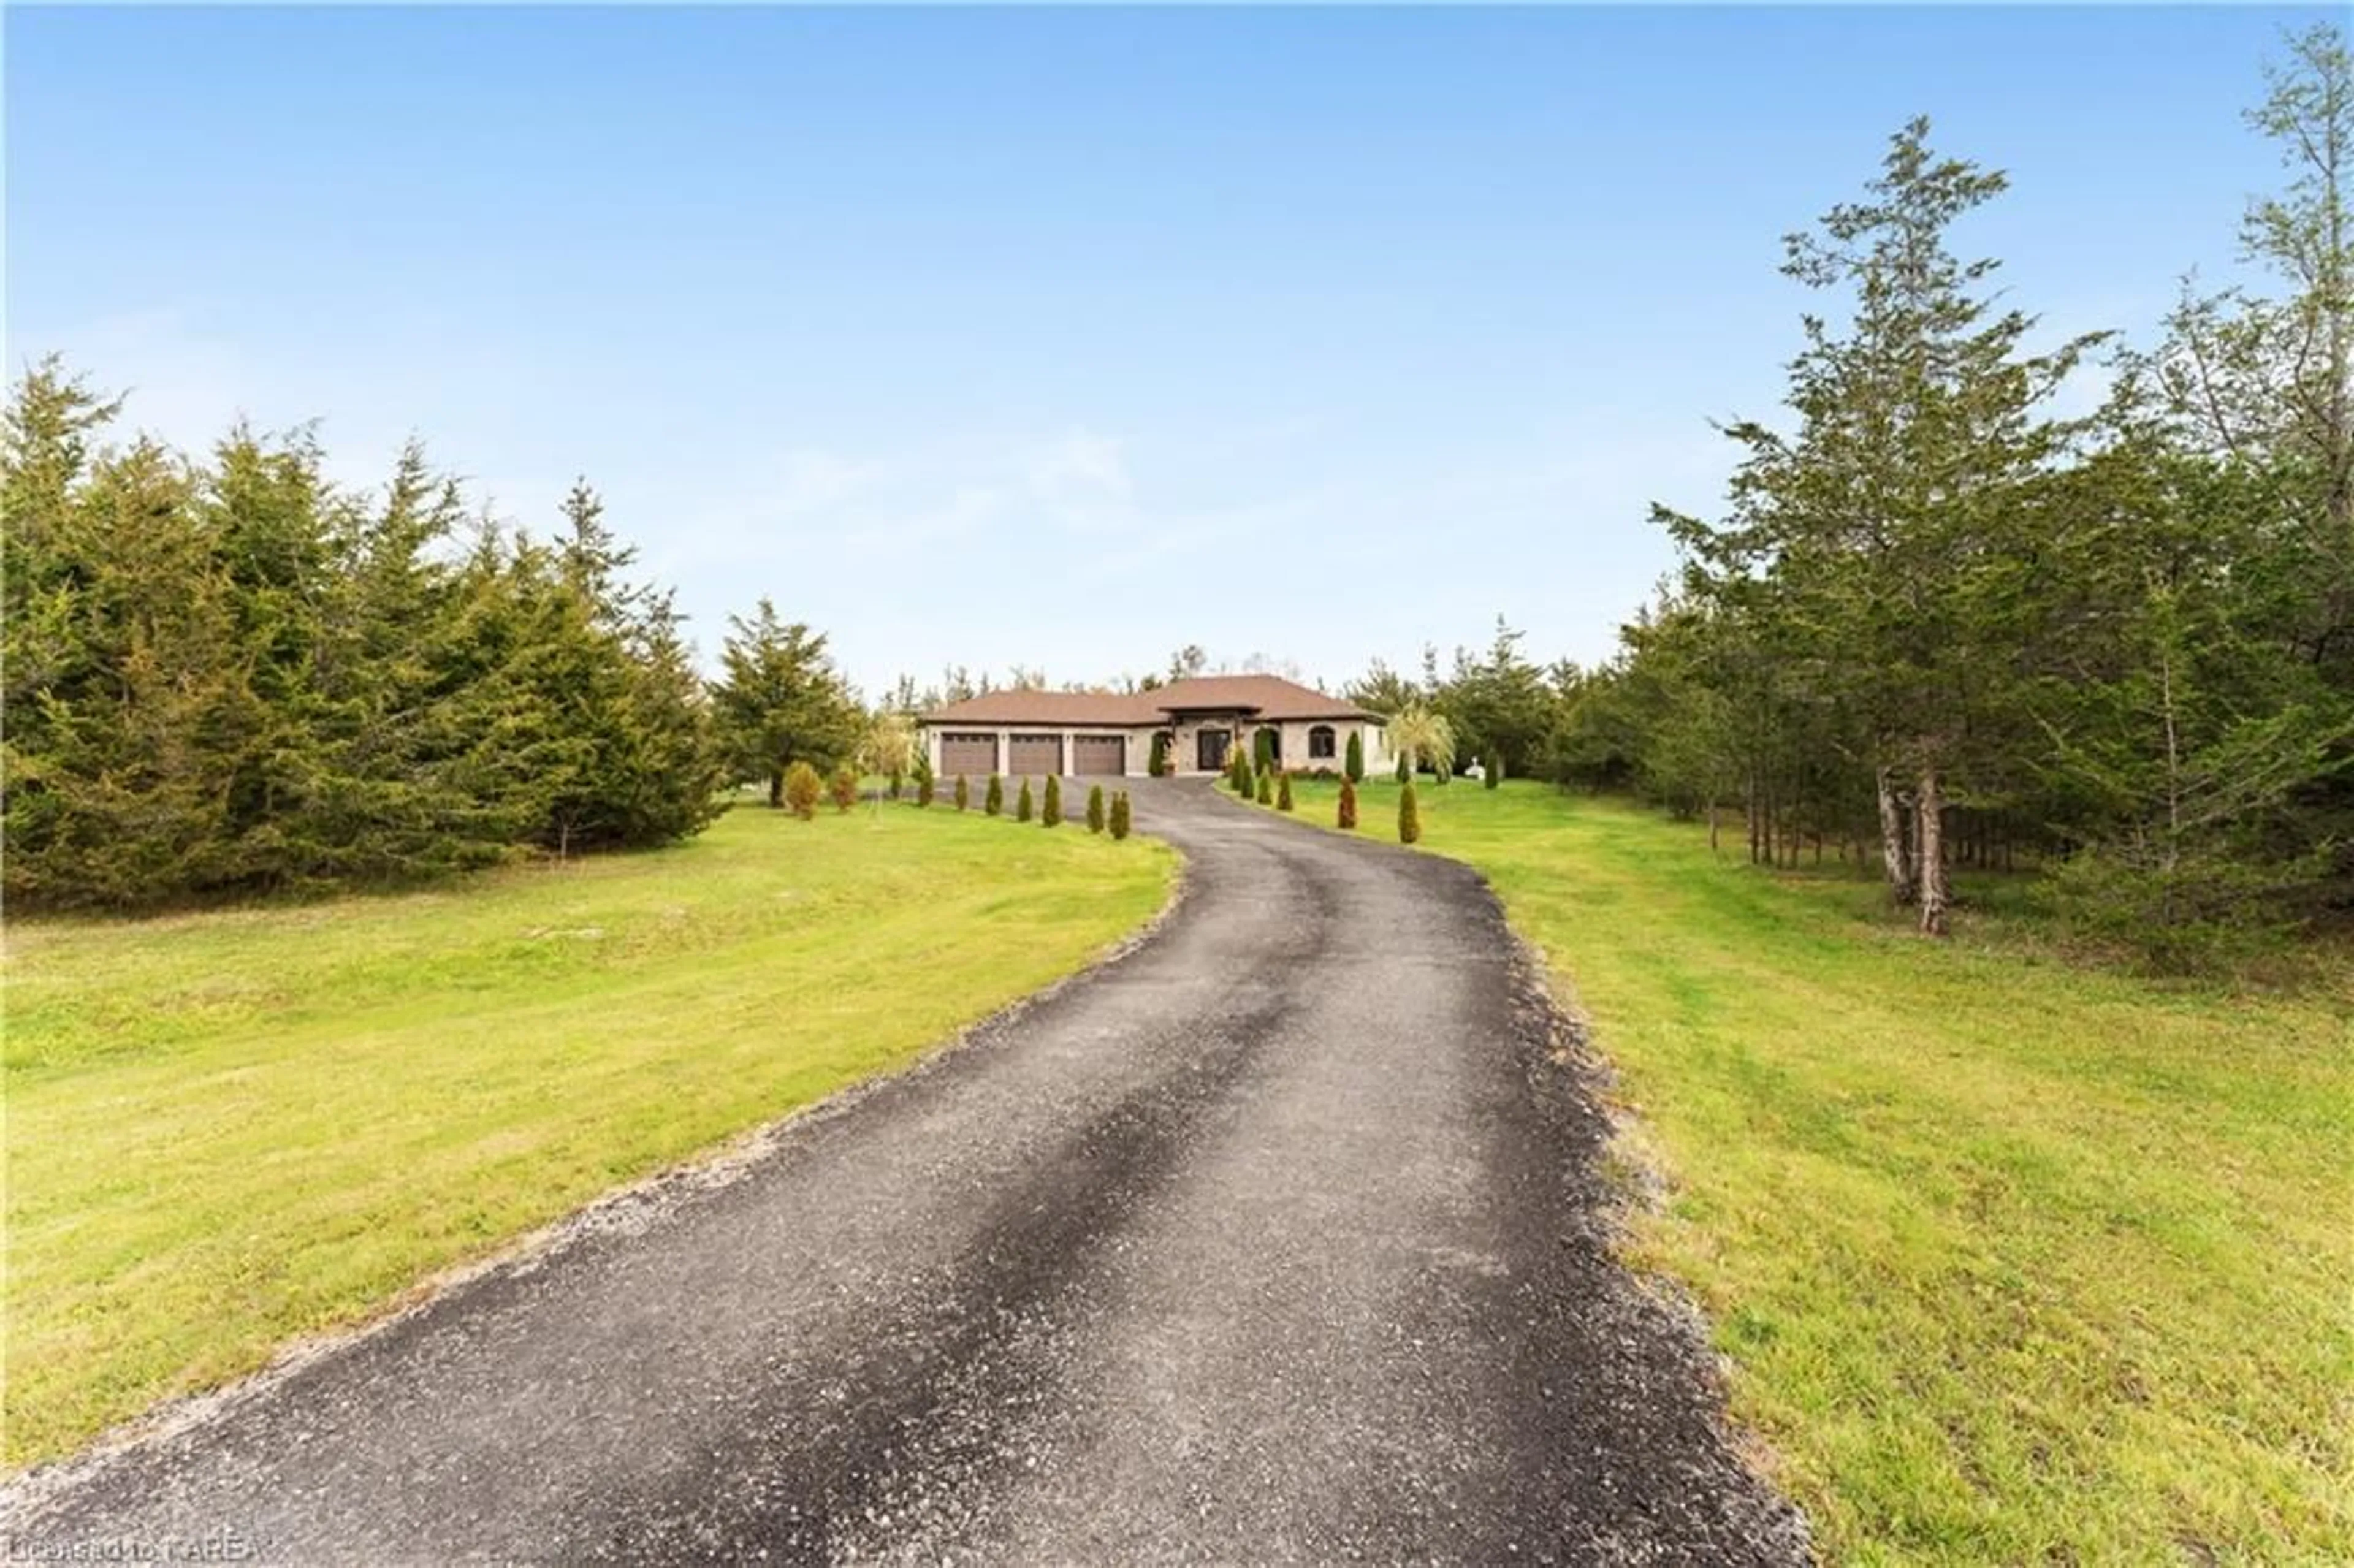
[(1094, 809), (1266, 790), (1244, 785), (1356, 758), (1263, 750), (845, 787), (1023, 807), (963, 793), (924, 788), (1409, 816), (994, 802), (1119, 815), (1157, 763), (1348, 803), (802, 788), (1283, 794), (1052, 811)]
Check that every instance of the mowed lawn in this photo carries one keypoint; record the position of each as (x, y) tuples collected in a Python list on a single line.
[(228, 1129), (2016, 1262)]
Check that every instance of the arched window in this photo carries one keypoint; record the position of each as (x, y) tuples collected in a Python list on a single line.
[(1320, 742)]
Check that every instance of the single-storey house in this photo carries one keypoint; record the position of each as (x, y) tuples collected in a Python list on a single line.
[(1089, 733)]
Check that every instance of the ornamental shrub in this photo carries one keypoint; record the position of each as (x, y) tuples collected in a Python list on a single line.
[(802, 786), (1051, 814), (1263, 749), (1094, 809), (1266, 790), (895, 783), (1409, 816), (1355, 764), (1244, 785), (963, 794), (1022, 808), (994, 802), (1119, 815), (845, 787), (1157, 762), (1283, 793), (925, 782), (1348, 803)]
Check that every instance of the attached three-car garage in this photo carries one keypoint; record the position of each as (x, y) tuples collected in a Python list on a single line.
[(974, 754)]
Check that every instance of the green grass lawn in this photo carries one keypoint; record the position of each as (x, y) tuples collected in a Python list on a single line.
[(228, 1129), (2017, 1262)]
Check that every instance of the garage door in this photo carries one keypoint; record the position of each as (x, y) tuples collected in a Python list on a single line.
[(972, 755), (1035, 756), (1098, 754)]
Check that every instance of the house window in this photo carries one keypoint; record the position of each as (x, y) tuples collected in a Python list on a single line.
[(1320, 742)]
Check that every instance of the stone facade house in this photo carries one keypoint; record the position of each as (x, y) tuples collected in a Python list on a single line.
[(1108, 734)]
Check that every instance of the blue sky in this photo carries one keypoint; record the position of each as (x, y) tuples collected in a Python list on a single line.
[(1057, 336)]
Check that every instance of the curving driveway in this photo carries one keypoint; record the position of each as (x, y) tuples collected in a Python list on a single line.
[(1282, 1237)]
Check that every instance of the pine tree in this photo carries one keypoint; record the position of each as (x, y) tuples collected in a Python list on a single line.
[(1024, 808), (1119, 815), (1409, 816), (1348, 803), (1354, 767), (780, 699), (1051, 811), (1094, 809)]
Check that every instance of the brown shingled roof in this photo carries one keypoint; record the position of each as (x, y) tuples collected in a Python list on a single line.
[(1268, 697)]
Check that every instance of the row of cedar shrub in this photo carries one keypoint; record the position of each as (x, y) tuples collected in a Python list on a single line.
[(1112, 813)]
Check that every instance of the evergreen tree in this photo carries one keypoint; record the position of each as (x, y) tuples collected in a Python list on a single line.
[(1022, 808), (993, 801), (1265, 792), (1348, 818), (1157, 761), (1409, 816), (1094, 809), (1353, 769), (1120, 820), (779, 700), (803, 789), (1051, 811), (963, 793), (1283, 793), (844, 787)]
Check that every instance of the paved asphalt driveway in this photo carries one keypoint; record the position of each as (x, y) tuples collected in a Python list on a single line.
[(1281, 1238)]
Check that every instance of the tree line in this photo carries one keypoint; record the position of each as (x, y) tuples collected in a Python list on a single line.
[(228, 676), (1943, 623)]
